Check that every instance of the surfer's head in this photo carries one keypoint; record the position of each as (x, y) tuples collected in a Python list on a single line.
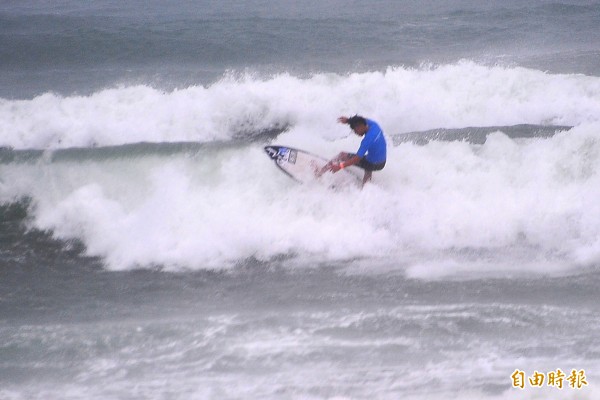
[(358, 124)]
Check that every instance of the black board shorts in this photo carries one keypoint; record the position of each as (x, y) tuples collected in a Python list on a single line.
[(367, 166)]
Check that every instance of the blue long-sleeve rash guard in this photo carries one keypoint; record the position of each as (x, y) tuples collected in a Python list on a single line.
[(373, 145)]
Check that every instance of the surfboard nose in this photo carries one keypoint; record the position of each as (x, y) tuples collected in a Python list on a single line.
[(272, 151)]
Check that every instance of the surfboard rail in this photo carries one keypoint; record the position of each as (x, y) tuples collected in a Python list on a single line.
[(302, 166)]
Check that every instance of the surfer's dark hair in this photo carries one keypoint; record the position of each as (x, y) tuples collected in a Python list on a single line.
[(356, 120)]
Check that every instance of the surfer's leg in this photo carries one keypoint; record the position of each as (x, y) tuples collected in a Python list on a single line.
[(367, 177)]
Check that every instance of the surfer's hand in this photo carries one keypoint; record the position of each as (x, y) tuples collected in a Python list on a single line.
[(343, 120)]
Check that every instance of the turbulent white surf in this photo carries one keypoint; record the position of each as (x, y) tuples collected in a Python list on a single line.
[(435, 209)]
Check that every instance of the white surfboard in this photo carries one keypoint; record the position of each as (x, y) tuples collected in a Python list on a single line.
[(302, 166)]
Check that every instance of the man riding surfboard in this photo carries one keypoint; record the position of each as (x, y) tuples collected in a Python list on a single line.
[(372, 153)]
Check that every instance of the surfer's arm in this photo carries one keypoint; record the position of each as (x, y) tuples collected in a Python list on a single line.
[(354, 159)]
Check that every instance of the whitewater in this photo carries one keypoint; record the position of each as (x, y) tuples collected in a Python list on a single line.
[(241, 105), (178, 180)]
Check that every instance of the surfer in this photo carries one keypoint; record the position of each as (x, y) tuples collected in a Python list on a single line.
[(371, 154)]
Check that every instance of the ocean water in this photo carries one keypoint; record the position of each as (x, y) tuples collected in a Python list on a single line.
[(150, 250)]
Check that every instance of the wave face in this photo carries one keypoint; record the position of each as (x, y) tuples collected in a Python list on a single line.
[(197, 191)]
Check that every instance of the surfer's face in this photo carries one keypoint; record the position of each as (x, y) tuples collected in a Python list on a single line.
[(360, 129)]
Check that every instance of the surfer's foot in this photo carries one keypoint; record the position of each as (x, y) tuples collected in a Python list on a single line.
[(316, 170), (320, 171)]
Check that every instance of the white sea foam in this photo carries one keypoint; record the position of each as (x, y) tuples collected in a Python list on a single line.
[(533, 201), (443, 208), (401, 99)]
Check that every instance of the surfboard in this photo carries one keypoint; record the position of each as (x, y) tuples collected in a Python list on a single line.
[(302, 166)]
